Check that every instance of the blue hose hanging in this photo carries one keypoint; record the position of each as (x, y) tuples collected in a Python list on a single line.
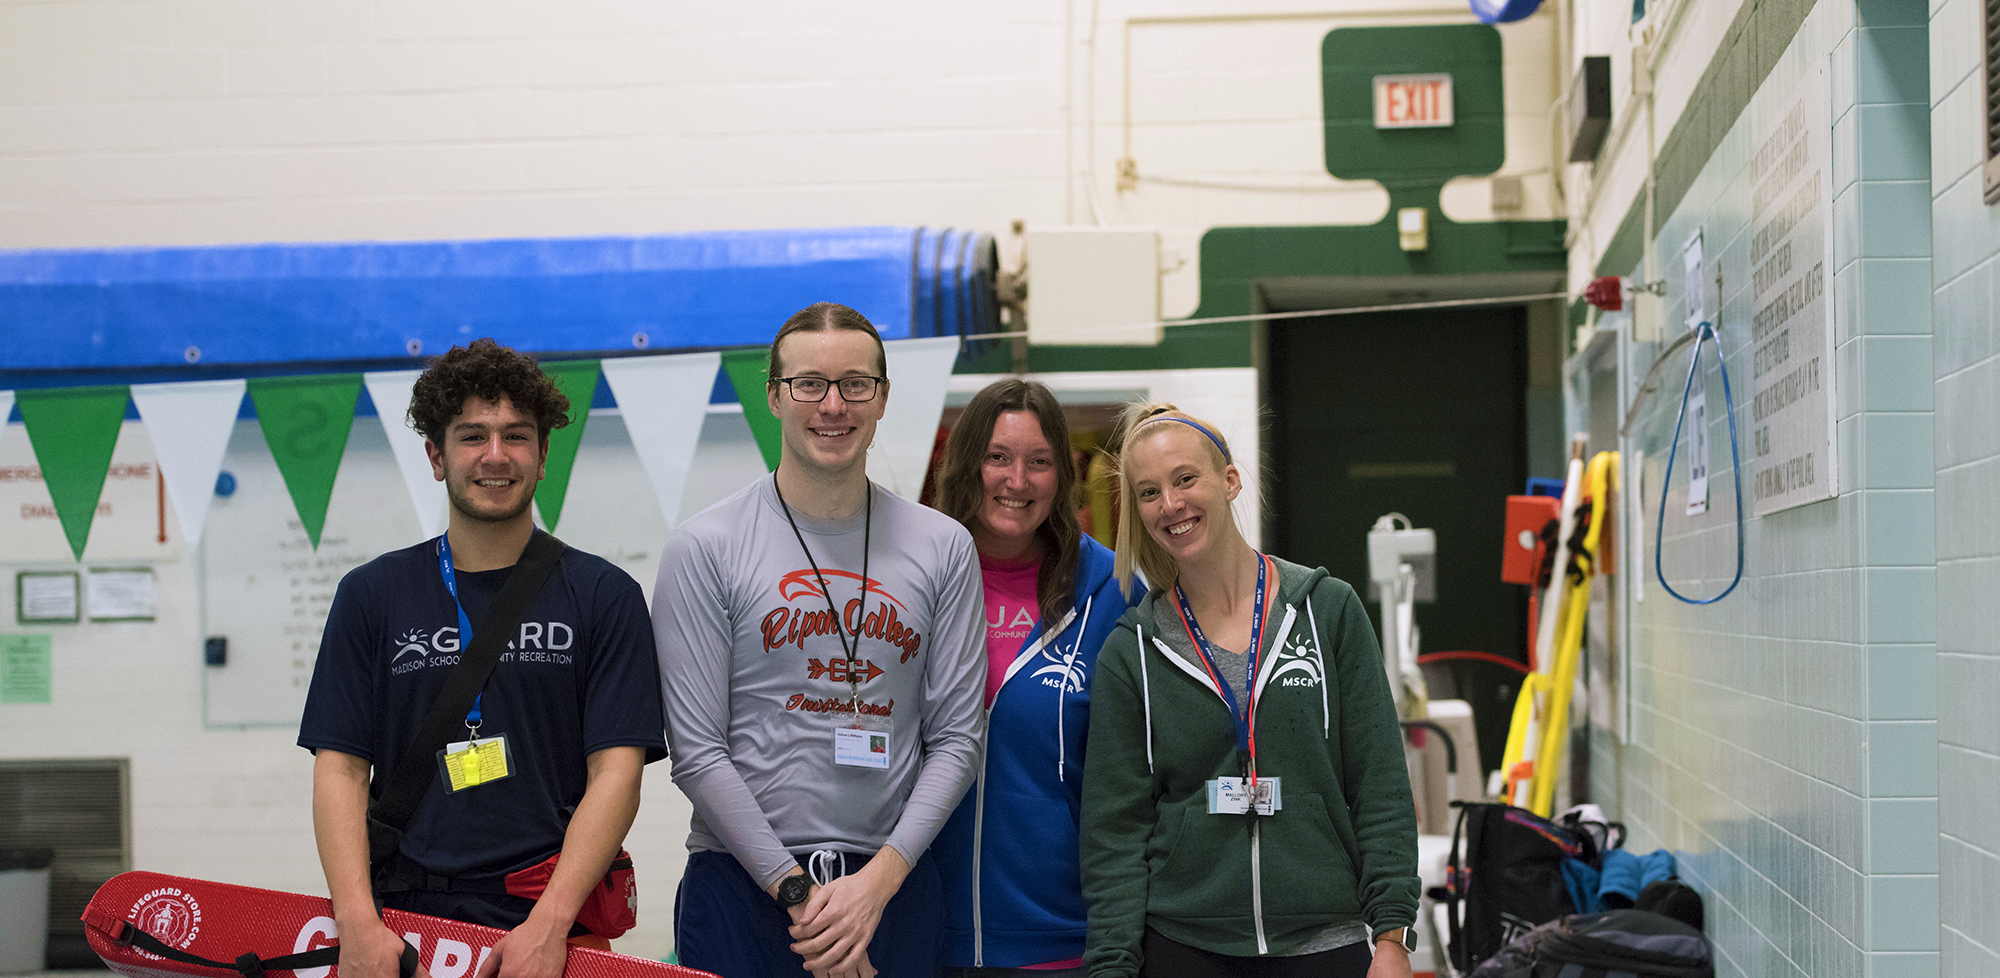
[(1705, 332)]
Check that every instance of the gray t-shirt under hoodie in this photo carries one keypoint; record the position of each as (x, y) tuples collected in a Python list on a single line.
[(755, 683)]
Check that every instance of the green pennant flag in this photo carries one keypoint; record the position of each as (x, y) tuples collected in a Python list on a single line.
[(73, 430), (577, 379), (747, 371), (306, 421)]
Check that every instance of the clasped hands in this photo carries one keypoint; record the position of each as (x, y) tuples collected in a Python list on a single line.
[(831, 930)]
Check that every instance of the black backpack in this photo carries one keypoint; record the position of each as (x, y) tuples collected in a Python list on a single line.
[(1611, 944), (1508, 877)]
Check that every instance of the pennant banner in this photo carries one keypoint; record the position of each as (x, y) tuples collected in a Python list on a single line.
[(190, 425), (73, 431), (663, 401), (390, 390), (577, 379), (306, 421), (919, 372), (748, 370)]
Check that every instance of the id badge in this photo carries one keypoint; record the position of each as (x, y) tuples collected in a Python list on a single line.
[(1231, 796), (863, 742), (470, 763)]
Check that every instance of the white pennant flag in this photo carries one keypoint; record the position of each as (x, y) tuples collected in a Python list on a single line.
[(390, 390), (190, 424), (663, 400), (6, 408), (919, 372)]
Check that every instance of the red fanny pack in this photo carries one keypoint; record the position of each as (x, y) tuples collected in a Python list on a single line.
[(611, 909)]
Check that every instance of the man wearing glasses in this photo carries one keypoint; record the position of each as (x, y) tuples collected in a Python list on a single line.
[(824, 728)]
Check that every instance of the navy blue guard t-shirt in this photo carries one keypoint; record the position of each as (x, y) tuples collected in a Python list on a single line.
[(579, 676)]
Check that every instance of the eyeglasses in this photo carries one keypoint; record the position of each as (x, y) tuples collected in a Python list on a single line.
[(812, 390)]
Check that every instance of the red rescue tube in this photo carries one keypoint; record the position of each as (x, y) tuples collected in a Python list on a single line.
[(224, 922)]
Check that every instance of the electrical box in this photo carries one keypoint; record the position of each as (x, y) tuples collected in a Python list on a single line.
[(1589, 108), (1525, 548), (1093, 286)]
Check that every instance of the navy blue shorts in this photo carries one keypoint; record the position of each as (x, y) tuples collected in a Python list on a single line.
[(726, 924)]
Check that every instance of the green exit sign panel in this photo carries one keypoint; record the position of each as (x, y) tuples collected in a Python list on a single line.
[(1381, 87)]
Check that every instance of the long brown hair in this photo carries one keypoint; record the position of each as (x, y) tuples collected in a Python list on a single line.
[(961, 485), (1136, 547)]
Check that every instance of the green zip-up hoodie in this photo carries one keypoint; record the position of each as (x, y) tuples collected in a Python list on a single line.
[(1344, 845)]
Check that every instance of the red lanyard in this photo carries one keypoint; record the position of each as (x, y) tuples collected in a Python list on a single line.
[(1246, 715)]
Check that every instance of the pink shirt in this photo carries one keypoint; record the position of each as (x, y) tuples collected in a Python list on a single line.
[(1011, 611)]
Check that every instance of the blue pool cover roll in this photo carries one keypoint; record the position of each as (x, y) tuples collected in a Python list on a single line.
[(104, 312)]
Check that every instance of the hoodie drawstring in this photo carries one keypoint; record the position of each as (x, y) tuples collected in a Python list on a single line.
[(820, 865), (1146, 694), (1062, 688), (1325, 713)]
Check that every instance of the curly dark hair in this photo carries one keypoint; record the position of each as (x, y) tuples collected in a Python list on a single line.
[(486, 370)]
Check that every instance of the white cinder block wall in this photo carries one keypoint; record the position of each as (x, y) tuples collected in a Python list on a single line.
[(190, 122), (161, 122)]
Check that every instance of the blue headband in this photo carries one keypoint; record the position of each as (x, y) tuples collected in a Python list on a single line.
[(1209, 434)]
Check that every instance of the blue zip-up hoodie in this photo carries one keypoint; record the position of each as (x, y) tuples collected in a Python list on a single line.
[(1014, 837)]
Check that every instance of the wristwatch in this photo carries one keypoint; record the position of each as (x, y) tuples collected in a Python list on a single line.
[(793, 890), (1406, 936)]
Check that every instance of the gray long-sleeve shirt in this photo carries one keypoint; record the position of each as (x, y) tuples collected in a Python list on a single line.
[(755, 683)]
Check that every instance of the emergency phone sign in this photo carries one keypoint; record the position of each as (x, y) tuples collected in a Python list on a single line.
[(1412, 101)]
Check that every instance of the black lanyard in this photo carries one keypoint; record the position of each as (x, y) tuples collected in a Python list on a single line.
[(861, 615), (1245, 715)]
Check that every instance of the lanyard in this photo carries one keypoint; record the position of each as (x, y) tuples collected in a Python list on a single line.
[(1246, 715), (464, 624), (850, 649)]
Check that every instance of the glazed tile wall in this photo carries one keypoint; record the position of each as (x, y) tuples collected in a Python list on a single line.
[(1967, 450), (1784, 740)]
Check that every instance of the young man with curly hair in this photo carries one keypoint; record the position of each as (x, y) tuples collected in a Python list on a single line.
[(574, 697)]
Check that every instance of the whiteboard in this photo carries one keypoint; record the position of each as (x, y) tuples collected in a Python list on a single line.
[(266, 590)]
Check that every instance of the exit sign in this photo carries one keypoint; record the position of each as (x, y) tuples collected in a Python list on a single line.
[(1412, 101)]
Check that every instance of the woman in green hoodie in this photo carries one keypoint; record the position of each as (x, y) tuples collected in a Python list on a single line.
[(1248, 811)]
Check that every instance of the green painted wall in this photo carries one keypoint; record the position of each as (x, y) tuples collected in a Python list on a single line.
[(1413, 164), (1475, 142)]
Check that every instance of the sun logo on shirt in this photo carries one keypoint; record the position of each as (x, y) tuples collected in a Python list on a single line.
[(411, 641), (1296, 657), (1066, 667)]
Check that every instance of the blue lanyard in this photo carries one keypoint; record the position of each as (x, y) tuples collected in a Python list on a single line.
[(1244, 715), (464, 623)]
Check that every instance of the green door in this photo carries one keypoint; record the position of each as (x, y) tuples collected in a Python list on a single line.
[(1420, 413)]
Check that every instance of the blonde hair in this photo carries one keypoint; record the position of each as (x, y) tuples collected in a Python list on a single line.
[(1136, 549)]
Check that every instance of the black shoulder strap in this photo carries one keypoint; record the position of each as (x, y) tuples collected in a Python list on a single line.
[(414, 771), (1456, 886), (248, 965)]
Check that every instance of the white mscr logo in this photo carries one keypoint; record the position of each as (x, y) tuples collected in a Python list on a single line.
[(1296, 657)]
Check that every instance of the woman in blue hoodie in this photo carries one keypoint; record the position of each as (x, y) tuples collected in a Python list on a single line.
[(1008, 856)]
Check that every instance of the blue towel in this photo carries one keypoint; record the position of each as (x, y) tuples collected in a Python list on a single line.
[(1581, 879), (1622, 877)]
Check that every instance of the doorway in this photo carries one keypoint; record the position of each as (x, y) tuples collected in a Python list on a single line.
[(1416, 412)]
